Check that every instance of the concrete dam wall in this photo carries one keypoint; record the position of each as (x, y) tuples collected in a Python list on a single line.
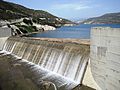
[(62, 57), (5, 32), (105, 57)]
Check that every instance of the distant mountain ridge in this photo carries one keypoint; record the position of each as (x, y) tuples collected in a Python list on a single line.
[(110, 18), (10, 11)]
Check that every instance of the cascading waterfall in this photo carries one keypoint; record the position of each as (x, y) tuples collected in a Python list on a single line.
[(66, 59)]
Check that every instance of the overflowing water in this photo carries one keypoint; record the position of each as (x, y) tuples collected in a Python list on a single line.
[(65, 59)]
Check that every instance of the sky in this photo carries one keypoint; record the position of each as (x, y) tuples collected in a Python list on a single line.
[(73, 9)]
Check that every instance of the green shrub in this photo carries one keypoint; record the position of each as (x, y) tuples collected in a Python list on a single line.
[(28, 22)]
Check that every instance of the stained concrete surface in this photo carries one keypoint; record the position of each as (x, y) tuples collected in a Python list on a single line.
[(105, 57)]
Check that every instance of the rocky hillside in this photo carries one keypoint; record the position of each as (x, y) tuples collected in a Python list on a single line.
[(110, 18), (25, 26), (10, 11)]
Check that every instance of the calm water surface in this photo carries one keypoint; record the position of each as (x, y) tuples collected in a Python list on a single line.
[(79, 31)]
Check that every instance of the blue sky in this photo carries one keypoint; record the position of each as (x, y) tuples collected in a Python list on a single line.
[(73, 9)]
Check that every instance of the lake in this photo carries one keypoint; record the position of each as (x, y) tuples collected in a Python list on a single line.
[(78, 32)]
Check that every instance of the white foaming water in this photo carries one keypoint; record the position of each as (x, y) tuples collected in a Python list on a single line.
[(61, 59)]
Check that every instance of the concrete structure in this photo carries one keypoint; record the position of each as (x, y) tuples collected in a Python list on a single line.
[(5, 32), (58, 56), (89, 80), (105, 57), (103, 68)]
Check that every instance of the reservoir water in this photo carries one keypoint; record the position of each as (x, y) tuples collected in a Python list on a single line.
[(79, 31)]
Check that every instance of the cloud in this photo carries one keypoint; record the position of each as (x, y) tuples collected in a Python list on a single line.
[(70, 6)]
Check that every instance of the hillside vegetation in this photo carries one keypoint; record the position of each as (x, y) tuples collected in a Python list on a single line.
[(110, 18), (9, 11)]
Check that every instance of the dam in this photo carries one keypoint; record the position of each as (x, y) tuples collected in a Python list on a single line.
[(62, 62)]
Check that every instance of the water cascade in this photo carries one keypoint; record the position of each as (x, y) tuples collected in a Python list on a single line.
[(67, 59)]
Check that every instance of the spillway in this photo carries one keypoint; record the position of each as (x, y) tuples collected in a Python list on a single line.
[(62, 58)]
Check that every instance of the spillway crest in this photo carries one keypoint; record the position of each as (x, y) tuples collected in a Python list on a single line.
[(64, 58)]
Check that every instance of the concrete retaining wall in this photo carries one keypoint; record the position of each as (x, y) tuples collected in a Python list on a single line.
[(5, 32), (105, 57), (2, 41)]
